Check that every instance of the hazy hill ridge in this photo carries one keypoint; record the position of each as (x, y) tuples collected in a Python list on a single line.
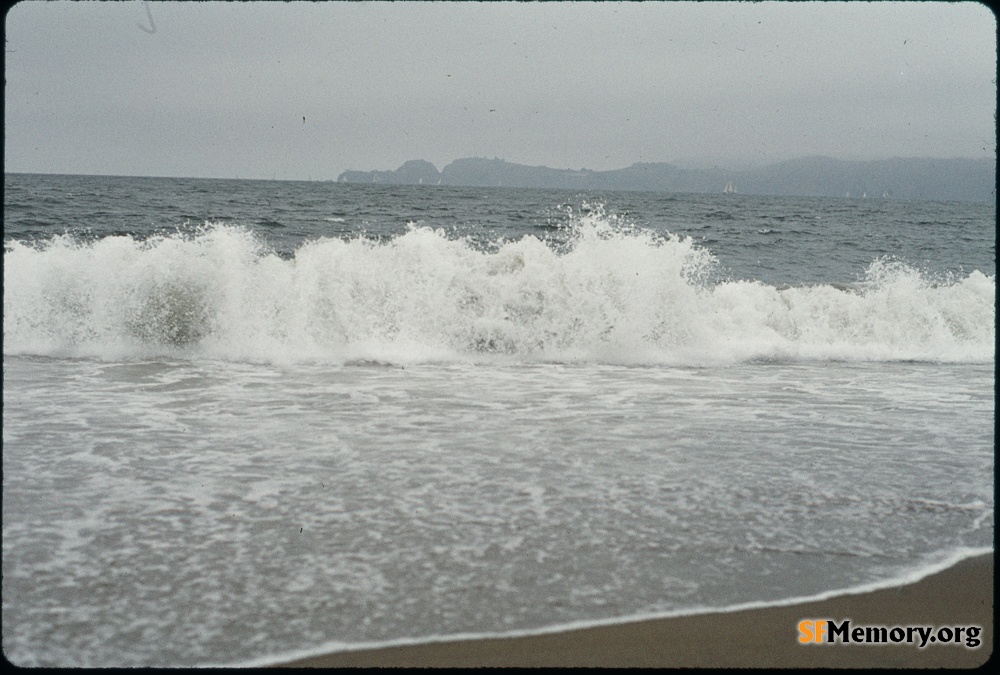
[(899, 178)]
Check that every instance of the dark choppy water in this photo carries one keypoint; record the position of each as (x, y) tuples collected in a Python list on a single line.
[(772, 239), (245, 419)]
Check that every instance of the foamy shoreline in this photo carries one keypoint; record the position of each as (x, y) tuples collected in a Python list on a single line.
[(956, 592)]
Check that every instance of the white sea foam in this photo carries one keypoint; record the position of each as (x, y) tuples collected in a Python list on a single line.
[(612, 295)]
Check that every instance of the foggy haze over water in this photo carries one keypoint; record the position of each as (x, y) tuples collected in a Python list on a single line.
[(303, 90)]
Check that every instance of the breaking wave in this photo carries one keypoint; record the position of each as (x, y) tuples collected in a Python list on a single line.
[(611, 295)]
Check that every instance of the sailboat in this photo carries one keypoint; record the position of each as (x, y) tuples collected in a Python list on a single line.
[(729, 189)]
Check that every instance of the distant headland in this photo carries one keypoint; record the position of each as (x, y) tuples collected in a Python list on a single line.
[(898, 178)]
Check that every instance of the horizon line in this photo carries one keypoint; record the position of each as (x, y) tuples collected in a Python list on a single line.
[(499, 159)]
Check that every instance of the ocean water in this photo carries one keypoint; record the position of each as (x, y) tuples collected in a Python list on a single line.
[(249, 419)]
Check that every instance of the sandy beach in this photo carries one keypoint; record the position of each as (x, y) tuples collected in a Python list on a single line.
[(958, 596)]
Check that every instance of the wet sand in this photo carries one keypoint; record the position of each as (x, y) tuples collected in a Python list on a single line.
[(959, 596)]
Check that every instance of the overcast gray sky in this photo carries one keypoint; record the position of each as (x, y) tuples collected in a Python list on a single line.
[(307, 90)]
